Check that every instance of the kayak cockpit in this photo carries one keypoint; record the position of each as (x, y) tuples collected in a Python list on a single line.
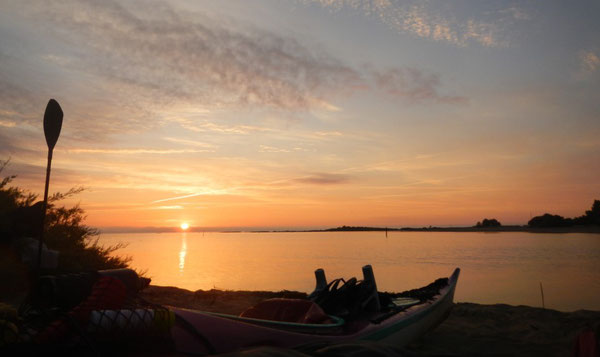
[(338, 307)]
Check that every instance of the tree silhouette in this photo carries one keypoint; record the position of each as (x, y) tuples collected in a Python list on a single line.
[(591, 217), (550, 220), (486, 223)]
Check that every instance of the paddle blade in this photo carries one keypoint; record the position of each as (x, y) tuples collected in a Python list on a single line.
[(52, 123)]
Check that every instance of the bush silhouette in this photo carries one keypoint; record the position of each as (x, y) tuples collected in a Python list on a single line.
[(486, 223), (64, 230), (550, 220), (591, 217)]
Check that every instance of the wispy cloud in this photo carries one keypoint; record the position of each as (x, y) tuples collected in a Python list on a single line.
[(328, 133), (7, 123), (168, 207), (324, 179), (413, 84), (188, 142), (266, 148), (172, 55), (188, 196), (136, 64), (516, 12), (203, 126), (590, 61), (437, 21), (17, 103), (135, 151)]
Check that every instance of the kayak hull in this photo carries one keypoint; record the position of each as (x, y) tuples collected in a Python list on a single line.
[(204, 332)]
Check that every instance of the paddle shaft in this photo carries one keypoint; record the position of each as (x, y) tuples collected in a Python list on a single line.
[(44, 206)]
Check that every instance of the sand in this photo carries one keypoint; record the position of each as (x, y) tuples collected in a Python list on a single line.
[(228, 302), (504, 330), (470, 330)]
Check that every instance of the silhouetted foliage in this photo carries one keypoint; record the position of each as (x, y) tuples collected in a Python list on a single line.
[(550, 220), (591, 217), (64, 229), (594, 213), (486, 223)]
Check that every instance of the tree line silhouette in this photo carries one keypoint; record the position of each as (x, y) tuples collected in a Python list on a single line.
[(591, 217)]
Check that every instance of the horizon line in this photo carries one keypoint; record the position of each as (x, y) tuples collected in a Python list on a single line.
[(174, 229)]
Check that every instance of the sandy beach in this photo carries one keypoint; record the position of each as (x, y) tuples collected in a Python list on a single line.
[(470, 330)]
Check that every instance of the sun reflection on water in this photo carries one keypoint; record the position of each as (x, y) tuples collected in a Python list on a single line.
[(182, 252)]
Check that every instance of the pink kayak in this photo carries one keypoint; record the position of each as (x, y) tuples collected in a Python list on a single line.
[(398, 323)]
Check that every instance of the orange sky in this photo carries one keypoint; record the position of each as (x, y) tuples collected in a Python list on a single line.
[(315, 114)]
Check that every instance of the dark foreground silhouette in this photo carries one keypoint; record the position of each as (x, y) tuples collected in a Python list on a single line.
[(469, 330)]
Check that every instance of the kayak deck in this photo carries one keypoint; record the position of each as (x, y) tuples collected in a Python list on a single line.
[(398, 327)]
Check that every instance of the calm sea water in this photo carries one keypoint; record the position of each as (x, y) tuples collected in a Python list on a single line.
[(496, 267)]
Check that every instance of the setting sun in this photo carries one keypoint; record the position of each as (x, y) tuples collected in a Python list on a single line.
[(184, 226)]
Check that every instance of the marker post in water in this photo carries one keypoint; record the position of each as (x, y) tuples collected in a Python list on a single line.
[(53, 118)]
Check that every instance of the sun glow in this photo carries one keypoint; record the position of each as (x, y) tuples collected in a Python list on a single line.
[(184, 226)]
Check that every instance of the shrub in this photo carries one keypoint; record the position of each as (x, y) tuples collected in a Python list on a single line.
[(64, 229), (492, 222), (550, 220)]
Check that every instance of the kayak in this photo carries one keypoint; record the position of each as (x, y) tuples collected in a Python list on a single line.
[(398, 323)]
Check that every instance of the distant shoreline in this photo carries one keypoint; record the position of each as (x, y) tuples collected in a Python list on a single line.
[(573, 229), (514, 228)]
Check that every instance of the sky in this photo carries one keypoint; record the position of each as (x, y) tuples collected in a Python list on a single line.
[(306, 113)]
